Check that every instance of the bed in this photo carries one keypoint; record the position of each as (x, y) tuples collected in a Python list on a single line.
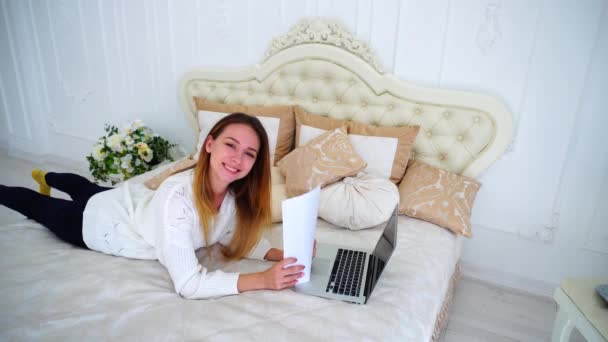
[(51, 291)]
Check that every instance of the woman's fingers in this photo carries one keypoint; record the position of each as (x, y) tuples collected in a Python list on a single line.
[(290, 284), (294, 276), (292, 280), (285, 274), (293, 270), (287, 261)]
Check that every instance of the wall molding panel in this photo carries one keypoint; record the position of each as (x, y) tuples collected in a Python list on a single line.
[(489, 32), (20, 124), (5, 107)]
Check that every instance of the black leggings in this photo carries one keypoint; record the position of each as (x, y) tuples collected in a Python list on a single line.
[(62, 217)]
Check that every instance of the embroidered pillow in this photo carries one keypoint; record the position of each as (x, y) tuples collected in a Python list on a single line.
[(438, 196), (358, 202), (323, 160), (278, 121)]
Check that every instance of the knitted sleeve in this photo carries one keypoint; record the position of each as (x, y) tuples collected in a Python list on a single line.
[(191, 280)]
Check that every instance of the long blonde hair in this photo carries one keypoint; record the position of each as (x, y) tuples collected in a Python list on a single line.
[(252, 192)]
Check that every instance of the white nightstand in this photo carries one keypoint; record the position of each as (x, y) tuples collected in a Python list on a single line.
[(580, 306)]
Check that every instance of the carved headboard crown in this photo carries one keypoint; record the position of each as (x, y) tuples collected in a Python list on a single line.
[(317, 31)]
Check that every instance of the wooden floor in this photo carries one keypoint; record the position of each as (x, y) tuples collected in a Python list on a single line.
[(480, 311)]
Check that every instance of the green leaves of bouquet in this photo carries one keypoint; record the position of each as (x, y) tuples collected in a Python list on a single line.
[(120, 155)]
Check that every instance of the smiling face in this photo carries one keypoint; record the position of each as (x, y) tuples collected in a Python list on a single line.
[(232, 155)]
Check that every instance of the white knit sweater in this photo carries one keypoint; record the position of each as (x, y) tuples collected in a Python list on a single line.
[(133, 221)]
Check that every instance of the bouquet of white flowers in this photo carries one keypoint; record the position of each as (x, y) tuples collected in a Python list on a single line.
[(120, 155)]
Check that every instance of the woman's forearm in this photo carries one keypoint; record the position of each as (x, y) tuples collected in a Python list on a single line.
[(281, 275), (251, 281)]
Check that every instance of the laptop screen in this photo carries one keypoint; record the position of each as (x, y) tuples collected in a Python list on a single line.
[(383, 251)]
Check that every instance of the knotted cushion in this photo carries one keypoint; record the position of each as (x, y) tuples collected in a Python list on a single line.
[(358, 202)]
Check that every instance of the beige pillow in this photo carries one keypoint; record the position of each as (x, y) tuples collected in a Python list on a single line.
[(323, 160), (278, 121), (160, 175), (279, 193), (310, 126), (438, 196), (395, 143), (275, 176)]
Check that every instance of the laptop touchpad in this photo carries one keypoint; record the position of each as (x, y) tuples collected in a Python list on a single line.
[(320, 266)]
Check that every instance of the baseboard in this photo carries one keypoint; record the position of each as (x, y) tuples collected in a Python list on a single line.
[(13, 152), (511, 281)]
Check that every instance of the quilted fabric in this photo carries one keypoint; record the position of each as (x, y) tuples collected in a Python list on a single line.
[(52, 291), (451, 136)]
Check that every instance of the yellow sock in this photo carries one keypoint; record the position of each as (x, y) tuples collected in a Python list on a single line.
[(38, 176)]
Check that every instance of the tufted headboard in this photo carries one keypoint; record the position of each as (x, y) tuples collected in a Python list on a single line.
[(325, 70)]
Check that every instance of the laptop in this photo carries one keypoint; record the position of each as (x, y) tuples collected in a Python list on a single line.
[(339, 272)]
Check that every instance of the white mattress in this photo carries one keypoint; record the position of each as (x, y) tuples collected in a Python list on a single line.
[(51, 291)]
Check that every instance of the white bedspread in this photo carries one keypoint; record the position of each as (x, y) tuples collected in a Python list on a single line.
[(51, 291)]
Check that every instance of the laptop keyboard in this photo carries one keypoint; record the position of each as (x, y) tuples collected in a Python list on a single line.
[(347, 273)]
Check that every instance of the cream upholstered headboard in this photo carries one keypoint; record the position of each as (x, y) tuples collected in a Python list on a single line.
[(325, 70)]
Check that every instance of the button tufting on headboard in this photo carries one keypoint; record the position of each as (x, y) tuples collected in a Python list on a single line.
[(462, 132)]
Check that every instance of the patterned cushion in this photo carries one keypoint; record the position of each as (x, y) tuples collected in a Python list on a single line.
[(323, 160), (439, 196)]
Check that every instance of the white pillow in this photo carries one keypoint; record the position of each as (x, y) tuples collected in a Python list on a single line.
[(358, 202), (378, 164), (307, 133), (208, 119)]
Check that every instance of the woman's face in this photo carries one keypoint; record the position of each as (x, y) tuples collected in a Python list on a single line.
[(232, 154)]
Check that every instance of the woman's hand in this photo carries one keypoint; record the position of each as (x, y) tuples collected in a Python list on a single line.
[(275, 278), (274, 254), (281, 276), (278, 276)]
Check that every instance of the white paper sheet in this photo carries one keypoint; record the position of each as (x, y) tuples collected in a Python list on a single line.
[(299, 223)]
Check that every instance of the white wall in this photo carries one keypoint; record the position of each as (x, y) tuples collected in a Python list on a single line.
[(68, 67)]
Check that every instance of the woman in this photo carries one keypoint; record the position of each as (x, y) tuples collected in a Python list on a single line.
[(225, 199)]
